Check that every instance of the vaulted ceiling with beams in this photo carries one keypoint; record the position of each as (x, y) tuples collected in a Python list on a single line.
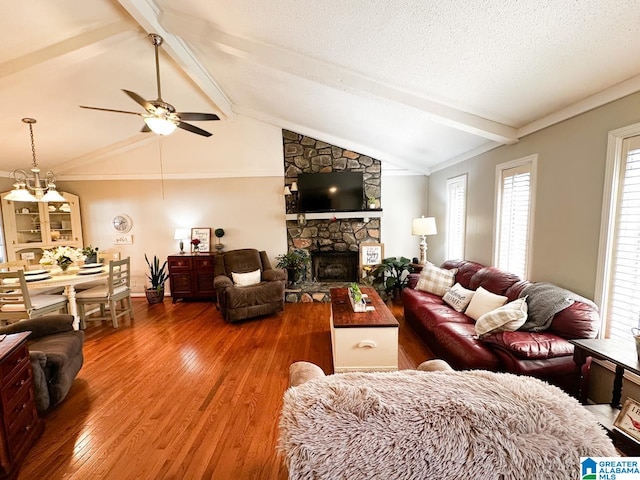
[(417, 83)]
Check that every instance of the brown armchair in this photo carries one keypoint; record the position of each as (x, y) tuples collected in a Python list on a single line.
[(241, 302)]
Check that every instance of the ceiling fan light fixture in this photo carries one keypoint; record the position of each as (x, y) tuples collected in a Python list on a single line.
[(161, 126)]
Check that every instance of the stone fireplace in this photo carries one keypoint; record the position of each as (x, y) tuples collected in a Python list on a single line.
[(334, 266), (334, 243)]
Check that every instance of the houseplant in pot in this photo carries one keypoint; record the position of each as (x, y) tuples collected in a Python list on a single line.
[(157, 276), (219, 233), (391, 275), (295, 262)]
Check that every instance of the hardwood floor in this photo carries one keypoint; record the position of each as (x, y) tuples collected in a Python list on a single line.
[(178, 393)]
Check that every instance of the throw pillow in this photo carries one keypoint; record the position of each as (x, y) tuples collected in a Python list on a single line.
[(436, 280), (507, 318), (482, 302), (458, 297), (246, 279)]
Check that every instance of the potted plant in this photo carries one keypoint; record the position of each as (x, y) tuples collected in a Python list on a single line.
[(157, 276), (295, 262), (358, 303), (91, 253), (371, 201), (219, 233), (391, 275)]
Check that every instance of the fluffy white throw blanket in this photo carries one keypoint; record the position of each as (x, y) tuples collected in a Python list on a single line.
[(435, 425)]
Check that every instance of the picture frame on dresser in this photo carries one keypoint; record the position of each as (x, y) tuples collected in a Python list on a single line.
[(204, 235)]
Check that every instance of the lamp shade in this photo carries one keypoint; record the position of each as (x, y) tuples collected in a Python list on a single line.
[(20, 194), (294, 187), (181, 234), (286, 190), (424, 226), (53, 195)]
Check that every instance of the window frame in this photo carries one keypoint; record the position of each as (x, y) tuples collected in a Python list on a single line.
[(613, 182), (532, 162), (460, 179)]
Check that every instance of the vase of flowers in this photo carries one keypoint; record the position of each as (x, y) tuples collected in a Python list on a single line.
[(63, 257), (195, 242)]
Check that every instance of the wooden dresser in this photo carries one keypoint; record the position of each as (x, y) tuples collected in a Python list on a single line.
[(21, 425), (191, 276)]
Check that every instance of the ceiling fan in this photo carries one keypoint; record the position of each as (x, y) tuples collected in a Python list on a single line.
[(161, 117)]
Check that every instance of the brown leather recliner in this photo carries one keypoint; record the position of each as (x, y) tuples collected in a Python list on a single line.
[(241, 302)]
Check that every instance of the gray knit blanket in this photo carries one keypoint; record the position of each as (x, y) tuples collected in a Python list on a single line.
[(544, 300)]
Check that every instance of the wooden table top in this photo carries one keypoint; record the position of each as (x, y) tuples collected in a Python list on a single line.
[(345, 317), (616, 351)]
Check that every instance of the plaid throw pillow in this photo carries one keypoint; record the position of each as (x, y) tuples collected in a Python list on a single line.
[(508, 318), (436, 280)]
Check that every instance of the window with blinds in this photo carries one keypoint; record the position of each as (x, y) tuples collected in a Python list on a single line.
[(456, 217), (623, 306), (514, 215)]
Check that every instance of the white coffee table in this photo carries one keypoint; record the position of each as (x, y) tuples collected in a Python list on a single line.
[(364, 341)]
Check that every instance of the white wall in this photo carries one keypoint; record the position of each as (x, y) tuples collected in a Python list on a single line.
[(404, 198), (250, 210), (570, 182)]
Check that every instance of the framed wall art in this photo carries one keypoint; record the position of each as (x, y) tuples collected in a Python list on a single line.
[(628, 420), (371, 254), (204, 235)]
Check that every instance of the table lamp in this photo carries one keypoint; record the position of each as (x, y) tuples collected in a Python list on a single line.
[(181, 234), (423, 226)]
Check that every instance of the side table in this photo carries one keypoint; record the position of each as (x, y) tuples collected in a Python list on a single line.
[(624, 356)]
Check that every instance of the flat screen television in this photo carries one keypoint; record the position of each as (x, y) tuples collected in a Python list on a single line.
[(330, 192)]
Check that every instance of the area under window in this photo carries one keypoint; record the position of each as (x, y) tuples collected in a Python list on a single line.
[(515, 183), (618, 289), (456, 216)]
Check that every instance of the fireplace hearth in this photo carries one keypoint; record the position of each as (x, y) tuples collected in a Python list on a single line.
[(334, 266)]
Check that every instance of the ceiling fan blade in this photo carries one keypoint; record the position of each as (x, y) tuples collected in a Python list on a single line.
[(198, 116), (141, 101), (194, 129), (110, 110), (145, 129)]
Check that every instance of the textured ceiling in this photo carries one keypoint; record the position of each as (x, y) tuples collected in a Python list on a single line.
[(417, 84)]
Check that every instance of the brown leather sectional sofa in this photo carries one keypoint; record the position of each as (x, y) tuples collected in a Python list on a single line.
[(451, 335)]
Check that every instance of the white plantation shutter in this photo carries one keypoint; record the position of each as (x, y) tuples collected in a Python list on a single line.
[(456, 217), (514, 214), (623, 306)]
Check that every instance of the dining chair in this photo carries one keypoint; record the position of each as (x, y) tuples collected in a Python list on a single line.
[(114, 295), (17, 303), (103, 257), (14, 265)]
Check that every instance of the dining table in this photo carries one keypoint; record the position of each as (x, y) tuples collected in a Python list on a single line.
[(69, 279)]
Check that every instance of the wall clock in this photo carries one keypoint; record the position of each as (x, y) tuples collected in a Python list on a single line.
[(121, 223)]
